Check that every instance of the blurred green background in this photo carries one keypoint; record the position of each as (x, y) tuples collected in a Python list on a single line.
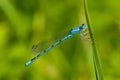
[(27, 22)]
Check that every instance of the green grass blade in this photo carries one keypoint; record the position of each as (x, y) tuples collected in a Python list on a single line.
[(95, 71), (98, 70)]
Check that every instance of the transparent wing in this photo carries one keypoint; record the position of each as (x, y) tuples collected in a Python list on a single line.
[(38, 47)]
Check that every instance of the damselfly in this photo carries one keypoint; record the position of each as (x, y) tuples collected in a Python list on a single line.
[(70, 34)]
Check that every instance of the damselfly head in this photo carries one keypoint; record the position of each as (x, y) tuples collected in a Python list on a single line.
[(82, 26)]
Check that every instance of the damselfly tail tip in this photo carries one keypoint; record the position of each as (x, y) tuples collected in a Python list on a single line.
[(28, 63)]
